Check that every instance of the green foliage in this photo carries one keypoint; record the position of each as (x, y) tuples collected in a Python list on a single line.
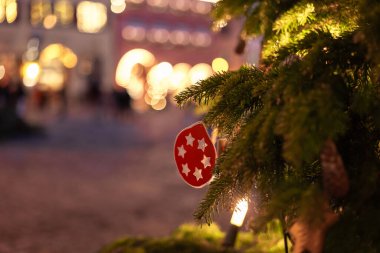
[(189, 238), (318, 80)]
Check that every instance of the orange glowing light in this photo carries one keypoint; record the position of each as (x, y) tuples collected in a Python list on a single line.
[(91, 16), (128, 61)]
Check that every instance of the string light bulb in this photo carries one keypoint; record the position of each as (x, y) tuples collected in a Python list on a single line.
[(237, 221)]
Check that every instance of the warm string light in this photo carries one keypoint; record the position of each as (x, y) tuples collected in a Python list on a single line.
[(118, 6), (162, 35), (91, 16), (239, 213), (47, 69), (8, 11), (151, 82), (30, 72), (237, 221), (196, 6)]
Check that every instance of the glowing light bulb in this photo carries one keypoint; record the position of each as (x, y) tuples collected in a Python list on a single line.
[(240, 211)]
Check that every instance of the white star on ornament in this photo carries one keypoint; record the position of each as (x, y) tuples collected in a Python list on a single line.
[(202, 144), (185, 169), (189, 139), (206, 161), (197, 173), (181, 151)]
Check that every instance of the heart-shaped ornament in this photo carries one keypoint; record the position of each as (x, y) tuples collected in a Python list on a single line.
[(195, 155)]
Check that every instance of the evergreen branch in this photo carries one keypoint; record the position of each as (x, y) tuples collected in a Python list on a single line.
[(239, 97), (321, 81), (203, 91), (307, 18), (219, 193), (231, 102)]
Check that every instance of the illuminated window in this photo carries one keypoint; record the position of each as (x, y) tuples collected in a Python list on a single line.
[(158, 3), (118, 6), (91, 17), (201, 39), (42, 12), (8, 11), (64, 10), (39, 10), (180, 5), (201, 7), (133, 32)]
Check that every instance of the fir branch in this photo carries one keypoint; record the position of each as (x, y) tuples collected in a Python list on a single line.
[(321, 80), (240, 96), (203, 91), (307, 18), (219, 193)]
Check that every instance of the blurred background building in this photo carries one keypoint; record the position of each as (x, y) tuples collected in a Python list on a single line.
[(61, 51)]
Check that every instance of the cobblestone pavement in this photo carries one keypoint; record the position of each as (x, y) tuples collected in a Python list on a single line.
[(92, 179)]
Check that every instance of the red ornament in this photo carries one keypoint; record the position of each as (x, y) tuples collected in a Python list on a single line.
[(195, 155)]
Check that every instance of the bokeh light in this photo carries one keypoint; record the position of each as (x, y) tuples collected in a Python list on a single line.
[(52, 76), (57, 51), (49, 72), (11, 11), (154, 84), (158, 84), (135, 1), (181, 5), (30, 72), (39, 9), (158, 3), (91, 16), (160, 105), (199, 72), (50, 21), (8, 11), (201, 39), (128, 61), (179, 37), (179, 78), (2, 71), (118, 6), (201, 7), (134, 33), (219, 64), (159, 74), (64, 10)]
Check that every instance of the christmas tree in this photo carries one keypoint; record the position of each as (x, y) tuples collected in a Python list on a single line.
[(303, 127)]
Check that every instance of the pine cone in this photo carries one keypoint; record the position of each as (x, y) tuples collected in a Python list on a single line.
[(335, 179), (307, 238)]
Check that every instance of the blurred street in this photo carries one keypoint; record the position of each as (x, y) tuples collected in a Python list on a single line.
[(90, 179)]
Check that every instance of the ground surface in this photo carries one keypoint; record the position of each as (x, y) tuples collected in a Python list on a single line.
[(91, 179)]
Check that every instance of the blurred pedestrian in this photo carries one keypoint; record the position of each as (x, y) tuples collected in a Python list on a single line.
[(94, 82), (122, 101)]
